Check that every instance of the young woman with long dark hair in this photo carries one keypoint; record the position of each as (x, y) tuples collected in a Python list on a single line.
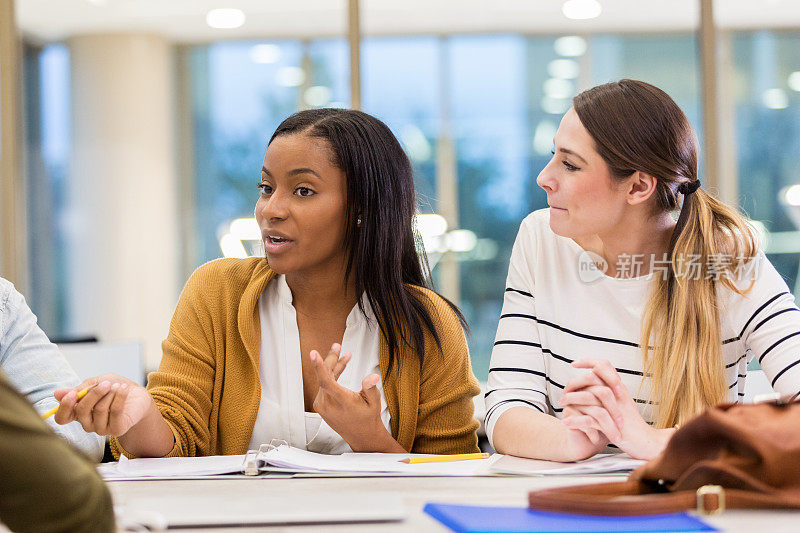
[(335, 341), (665, 315)]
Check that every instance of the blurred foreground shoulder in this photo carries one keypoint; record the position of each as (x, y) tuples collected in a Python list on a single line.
[(47, 485)]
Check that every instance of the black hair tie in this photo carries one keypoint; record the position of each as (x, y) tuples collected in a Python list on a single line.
[(688, 187)]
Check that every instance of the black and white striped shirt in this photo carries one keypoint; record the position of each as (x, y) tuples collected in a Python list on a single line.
[(552, 316)]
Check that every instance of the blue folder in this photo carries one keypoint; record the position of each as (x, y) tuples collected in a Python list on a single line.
[(477, 519)]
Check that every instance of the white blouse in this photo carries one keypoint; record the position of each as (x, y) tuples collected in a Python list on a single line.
[(281, 414)]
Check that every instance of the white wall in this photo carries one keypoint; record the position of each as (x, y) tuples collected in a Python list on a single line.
[(122, 227)]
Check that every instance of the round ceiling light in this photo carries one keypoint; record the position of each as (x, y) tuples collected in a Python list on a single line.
[(581, 9), (794, 81), (226, 19)]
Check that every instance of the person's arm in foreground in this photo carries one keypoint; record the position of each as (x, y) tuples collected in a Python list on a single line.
[(46, 485), (36, 368)]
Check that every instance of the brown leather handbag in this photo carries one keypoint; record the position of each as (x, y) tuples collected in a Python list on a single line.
[(730, 456)]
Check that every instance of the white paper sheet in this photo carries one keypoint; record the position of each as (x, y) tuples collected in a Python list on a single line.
[(172, 467), (284, 460), (296, 460), (599, 464)]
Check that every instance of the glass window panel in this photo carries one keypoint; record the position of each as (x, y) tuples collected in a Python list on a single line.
[(767, 111), (489, 102), (670, 62), (330, 60), (401, 86), (47, 150), (242, 91)]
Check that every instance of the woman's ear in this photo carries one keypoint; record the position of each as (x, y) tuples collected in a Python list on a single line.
[(641, 187)]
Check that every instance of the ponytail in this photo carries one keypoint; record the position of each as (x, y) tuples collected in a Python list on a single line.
[(682, 319)]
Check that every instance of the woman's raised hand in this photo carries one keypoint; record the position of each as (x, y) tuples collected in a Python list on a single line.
[(356, 416), (112, 405)]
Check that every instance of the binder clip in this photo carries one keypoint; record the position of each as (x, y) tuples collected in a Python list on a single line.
[(254, 459), (274, 443)]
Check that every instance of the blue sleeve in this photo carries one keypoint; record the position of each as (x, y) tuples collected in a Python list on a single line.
[(36, 368)]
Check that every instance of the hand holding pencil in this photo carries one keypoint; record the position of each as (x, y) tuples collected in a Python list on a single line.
[(54, 410), (106, 405)]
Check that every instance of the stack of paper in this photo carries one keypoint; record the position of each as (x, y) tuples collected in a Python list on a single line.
[(302, 461), (286, 460)]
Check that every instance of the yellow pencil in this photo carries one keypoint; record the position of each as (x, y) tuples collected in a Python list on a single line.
[(52, 411), (439, 458)]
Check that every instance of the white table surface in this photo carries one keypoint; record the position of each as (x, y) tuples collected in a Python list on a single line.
[(414, 493)]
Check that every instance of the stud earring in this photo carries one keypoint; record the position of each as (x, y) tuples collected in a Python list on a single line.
[(358, 220)]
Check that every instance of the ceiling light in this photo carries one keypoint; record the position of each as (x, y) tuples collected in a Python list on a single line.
[(225, 18), (775, 99), (558, 88), (430, 224), (565, 69), (317, 96), (265, 53), (581, 9), (461, 240), (570, 46), (794, 81), (791, 195), (290, 76)]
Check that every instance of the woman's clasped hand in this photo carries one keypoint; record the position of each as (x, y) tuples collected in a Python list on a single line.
[(598, 405)]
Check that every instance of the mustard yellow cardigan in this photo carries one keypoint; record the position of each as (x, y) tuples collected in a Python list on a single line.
[(208, 390)]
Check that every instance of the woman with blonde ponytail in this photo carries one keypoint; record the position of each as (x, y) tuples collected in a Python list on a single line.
[(620, 322)]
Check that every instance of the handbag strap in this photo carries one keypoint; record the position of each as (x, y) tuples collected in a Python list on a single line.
[(635, 498)]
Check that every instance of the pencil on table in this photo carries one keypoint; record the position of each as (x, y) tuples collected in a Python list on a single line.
[(441, 458), (52, 411)]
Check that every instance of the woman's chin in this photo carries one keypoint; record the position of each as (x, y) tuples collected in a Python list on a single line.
[(560, 228), (277, 266)]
